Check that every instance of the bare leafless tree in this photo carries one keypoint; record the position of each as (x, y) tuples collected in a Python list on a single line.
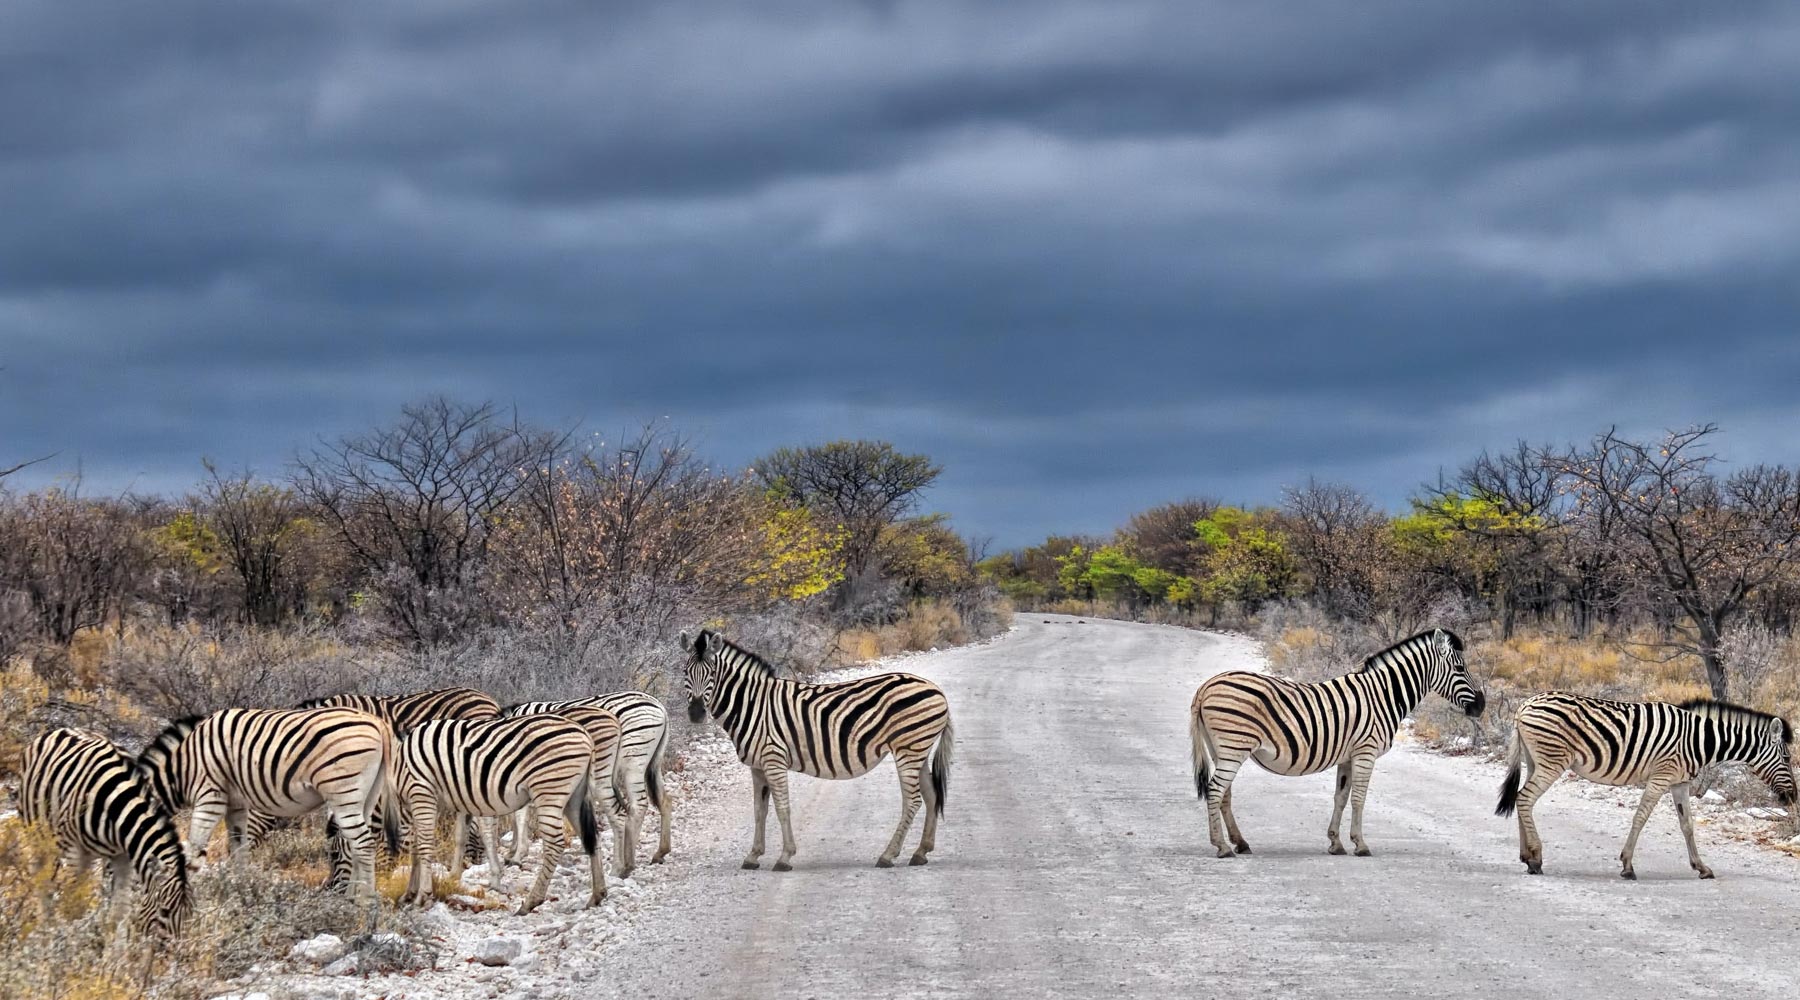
[(1338, 536), (412, 503), (73, 559), (1694, 545)]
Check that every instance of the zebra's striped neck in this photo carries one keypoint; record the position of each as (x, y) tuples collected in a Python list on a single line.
[(1401, 683)]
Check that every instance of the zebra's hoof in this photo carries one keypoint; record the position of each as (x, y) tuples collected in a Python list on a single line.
[(1336, 849), (1706, 873), (1364, 852), (658, 859), (1534, 868), (751, 864), (783, 866), (1628, 875), (884, 862), (1243, 848), (1226, 852), (920, 859)]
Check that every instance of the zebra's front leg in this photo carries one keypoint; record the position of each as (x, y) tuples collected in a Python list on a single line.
[(422, 810), (759, 800), (910, 796), (1684, 810), (1653, 792), (1339, 799), (209, 808), (777, 777), (555, 836), (1361, 767)]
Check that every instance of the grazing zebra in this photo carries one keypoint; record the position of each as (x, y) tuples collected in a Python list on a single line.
[(643, 738), (493, 769), (98, 806), (402, 713), (1295, 728), (839, 730), (278, 762), (1658, 746)]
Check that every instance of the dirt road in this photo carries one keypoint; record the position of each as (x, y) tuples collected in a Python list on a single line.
[(1073, 862)]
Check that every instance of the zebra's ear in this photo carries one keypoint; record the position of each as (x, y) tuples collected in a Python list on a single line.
[(1780, 730)]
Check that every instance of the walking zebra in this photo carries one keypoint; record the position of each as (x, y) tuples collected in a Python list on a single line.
[(98, 806), (1294, 728), (278, 762), (839, 730), (1658, 746), (643, 738), (493, 769)]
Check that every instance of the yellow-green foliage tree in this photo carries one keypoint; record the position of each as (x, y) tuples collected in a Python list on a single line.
[(1248, 560), (800, 558), (926, 555)]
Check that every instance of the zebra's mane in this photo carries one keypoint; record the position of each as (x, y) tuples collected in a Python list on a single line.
[(1384, 656), (172, 735), (767, 669), (1725, 711)]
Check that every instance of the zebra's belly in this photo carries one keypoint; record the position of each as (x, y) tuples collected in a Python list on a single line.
[(1289, 766), (1610, 776), (299, 802)]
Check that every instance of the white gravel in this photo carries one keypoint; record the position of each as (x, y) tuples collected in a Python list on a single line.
[(1073, 862)]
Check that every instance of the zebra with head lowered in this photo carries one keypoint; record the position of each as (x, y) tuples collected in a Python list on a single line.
[(1658, 746), (1294, 728), (837, 730), (98, 806), (282, 763), (643, 739)]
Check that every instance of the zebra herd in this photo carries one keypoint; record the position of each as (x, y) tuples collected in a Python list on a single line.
[(394, 762), (387, 762), (1347, 722)]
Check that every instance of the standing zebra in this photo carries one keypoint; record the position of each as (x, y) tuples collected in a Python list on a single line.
[(839, 730), (1295, 728), (643, 738), (493, 769), (403, 713), (98, 806), (279, 762), (1658, 746)]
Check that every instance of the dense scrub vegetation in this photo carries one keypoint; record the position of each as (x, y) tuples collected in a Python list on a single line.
[(454, 546)]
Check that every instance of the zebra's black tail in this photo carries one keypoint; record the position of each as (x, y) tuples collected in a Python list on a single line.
[(653, 781), (589, 824), (1509, 786), (1202, 749), (940, 766)]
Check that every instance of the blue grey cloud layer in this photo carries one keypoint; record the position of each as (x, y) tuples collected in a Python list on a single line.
[(1089, 255)]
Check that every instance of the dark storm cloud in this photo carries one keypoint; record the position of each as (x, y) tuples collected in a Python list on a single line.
[(1091, 256)]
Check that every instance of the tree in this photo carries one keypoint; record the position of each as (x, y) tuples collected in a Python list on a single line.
[(257, 528), (864, 485), (1248, 561), (72, 558), (1163, 537), (1338, 537), (1695, 546), (412, 504)]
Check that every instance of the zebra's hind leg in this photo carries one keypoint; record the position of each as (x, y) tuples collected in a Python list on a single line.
[(927, 839), (910, 769), (422, 809), (777, 777), (1238, 843), (759, 795), (1684, 810), (1339, 799), (555, 836), (1361, 767), (1653, 792), (1544, 772), (1226, 761)]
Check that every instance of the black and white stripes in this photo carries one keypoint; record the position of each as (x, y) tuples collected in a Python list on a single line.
[(1293, 728), (1659, 746), (99, 806), (839, 730)]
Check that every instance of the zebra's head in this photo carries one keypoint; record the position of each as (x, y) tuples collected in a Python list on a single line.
[(1761, 741), (164, 905), (702, 674), (1449, 674), (164, 765)]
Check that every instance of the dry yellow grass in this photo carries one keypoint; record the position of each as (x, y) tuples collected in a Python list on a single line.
[(929, 625)]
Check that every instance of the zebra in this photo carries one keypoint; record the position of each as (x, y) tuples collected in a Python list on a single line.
[(402, 713), (1656, 745), (837, 730), (642, 742), (282, 763), (98, 805), (1294, 728), (493, 769)]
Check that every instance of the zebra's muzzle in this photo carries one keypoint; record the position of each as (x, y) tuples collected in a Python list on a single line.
[(696, 710), (1476, 707)]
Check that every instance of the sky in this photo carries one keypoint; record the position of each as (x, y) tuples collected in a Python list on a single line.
[(1089, 256)]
